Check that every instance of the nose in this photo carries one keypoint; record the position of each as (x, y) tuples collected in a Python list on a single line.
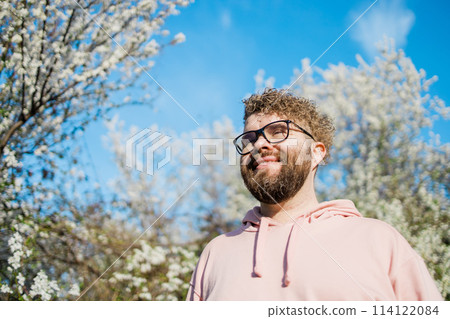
[(262, 143)]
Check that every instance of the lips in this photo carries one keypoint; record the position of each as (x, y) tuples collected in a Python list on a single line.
[(265, 161)]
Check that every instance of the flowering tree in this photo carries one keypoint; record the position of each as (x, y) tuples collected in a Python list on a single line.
[(56, 58), (60, 63)]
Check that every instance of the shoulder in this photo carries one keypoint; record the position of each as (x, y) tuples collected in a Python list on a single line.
[(379, 228), (372, 226), (224, 241), (384, 236), (372, 231)]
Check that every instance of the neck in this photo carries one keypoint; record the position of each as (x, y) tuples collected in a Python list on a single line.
[(302, 203)]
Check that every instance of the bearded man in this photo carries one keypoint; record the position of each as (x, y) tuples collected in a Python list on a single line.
[(292, 247)]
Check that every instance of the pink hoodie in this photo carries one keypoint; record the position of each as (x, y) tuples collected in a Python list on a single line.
[(332, 253)]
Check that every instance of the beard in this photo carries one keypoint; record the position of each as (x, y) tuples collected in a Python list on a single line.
[(273, 188)]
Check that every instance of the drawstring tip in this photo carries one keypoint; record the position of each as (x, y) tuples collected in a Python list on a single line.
[(257, 272), (286, 281)]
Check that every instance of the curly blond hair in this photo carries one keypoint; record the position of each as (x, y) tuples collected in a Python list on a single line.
[(298, 109)]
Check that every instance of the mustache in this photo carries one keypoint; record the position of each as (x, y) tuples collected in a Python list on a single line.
[(251, 161)]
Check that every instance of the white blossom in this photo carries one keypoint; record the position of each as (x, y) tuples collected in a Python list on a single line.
[(145, 296), (179, 38), (20, 279), (74, 290), (15, 243), (43, 287), (5, 289)]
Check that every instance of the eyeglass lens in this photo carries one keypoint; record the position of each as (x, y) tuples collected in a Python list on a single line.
[(274, 133)]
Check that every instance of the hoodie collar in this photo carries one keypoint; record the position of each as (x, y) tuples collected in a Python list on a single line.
[(254, 221)]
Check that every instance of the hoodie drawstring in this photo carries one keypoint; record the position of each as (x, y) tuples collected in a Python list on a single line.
[(260, 244), (289, 253), (260, 248)]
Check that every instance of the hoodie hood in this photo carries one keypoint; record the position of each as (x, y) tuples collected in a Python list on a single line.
[(254, 221), (325, 210)]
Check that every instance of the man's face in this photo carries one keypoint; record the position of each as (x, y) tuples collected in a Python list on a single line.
[(274, 173)]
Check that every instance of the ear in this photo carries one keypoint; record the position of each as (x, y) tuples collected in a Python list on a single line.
[(318, 152)]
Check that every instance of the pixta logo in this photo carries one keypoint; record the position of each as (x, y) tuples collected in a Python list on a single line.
[(143, 151)]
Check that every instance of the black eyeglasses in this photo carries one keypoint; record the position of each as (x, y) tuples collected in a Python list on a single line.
[(274, 133)]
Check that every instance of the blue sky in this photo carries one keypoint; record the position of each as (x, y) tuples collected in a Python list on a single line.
[(228, 41)]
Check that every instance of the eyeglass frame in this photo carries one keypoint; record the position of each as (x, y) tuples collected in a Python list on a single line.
[(260, 132)]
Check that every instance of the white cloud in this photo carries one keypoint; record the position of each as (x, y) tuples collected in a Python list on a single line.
[(225, 19), (389, 18)]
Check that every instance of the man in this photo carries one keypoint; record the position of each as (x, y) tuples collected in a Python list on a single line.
[(292, 247)]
